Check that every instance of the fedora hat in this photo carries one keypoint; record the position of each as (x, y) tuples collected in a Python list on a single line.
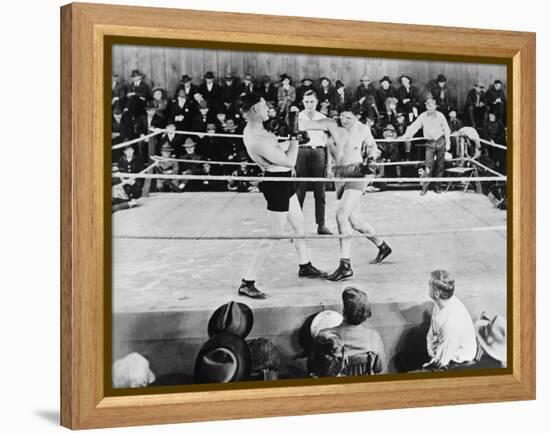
[(491, 335), (323, 320), (136, 73), (189, 142), (441, 78), (234, 318), (185, 78), (406, 76), (284, 77), (209, 75), (385, 78), (223, 358)]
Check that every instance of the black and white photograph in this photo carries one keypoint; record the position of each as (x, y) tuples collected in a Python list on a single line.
[(283, 216)]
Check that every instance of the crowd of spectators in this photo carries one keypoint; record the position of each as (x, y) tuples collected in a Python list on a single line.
[(388, 108)]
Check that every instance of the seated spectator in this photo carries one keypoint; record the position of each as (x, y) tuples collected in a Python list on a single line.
[(119, 91), (286, 94), (365, 94), (441, 93), (451, 339), (189, 167), (327, 358), (204, 117), (493, 130), (182, 111), (267, 90), (122, 128), (496, 101), (389, 152), (475, 108), (206, 184), (119, 198), (138, 94), (132, 371), (228, 93), (342, 97), (326, 95), (189, 88), (247, 86), (390, 110), (241, 185), (210, 91), (212, 147), (408, 101), (357, 337), (383, 93), (170, 137), (232, 147), (130, 162), (400, 126), (167, 167)]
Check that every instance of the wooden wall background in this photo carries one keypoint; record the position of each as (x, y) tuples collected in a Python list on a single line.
[(163, 67)]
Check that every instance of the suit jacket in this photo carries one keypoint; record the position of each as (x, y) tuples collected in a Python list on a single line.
[(269, 93), (229, 94), (326, 96), (125, 128), (189, 92), (136, 102), (362, 91), (473, 99), (493, 94), (411, 94), (188, 111), (212, 96), (382, 95), (244, 89), (443, 98), (200, 121), (285, 97), (339, 102)]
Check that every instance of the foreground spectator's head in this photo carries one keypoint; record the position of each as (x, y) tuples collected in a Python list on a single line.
[(132, 371), (478, 85), (285, 79), (230, 125), (198, 97), (441, 80), (357, 307), (400, 117), (365, 80), (441, 285), (159, 94), (327, 358), (325, 82), (452, 114), (136, 76), (497, 84), (181, 94), (405, 80), (117, 113)]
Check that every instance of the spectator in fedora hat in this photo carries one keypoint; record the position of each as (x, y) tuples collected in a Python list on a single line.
[(442, 94), (326, 95), (189, 88), (267, 90), (496, 101), (138, 94), (182, 111), (491, 339), (342, 97), (122, 128), (247, 86), (170, 137), (165, 166), (203, 117), (476, 106), (189, 167), (408, 101), (286, 94), (229, 92), (451, 339), (131, 162), (357, 337), (211, 91), (384, 92), (223, 358)]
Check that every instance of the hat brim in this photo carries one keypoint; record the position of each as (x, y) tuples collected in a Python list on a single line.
[(234, 344), (497, 350), (242, 330), (324, 320)]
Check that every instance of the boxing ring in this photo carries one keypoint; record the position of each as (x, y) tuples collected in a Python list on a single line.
[(177, 257)]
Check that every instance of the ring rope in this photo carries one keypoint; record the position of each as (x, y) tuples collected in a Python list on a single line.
[(313, 236), (490, 143), (308, 179), (135, 140), (253, 164), (484, 167)]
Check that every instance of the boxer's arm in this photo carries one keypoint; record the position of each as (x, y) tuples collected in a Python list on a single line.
[(370, 145), (275, 155)]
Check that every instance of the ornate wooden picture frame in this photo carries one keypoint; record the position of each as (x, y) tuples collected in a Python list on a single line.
[(87, 32)]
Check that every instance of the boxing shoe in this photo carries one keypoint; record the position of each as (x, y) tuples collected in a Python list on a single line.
[(323, 230), (343, 271), (383, 251), (310, 271), (247, 288)]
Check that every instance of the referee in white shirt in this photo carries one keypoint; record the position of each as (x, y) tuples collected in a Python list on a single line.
[(312, 161)]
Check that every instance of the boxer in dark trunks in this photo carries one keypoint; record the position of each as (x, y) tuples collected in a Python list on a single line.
[(276, 160)]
